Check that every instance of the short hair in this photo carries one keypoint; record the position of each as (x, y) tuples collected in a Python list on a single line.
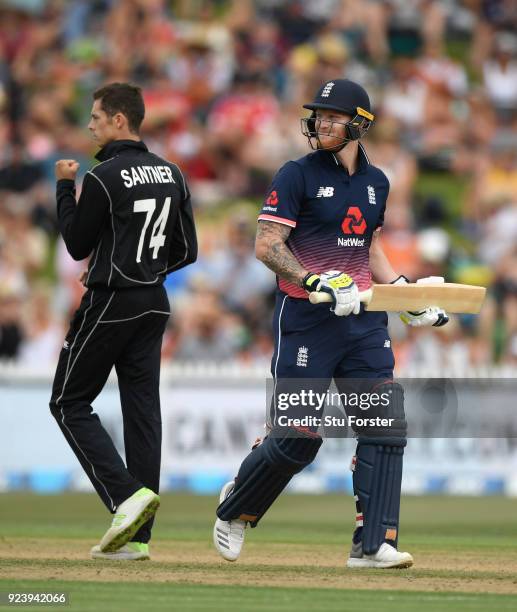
[(122, 98)]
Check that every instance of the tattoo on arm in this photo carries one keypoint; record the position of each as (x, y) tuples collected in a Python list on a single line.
[(275, 254)]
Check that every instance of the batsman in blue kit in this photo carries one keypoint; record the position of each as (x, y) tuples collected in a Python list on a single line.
[(318, 231)]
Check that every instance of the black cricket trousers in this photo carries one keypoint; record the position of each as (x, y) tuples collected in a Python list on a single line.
[(121, 328)]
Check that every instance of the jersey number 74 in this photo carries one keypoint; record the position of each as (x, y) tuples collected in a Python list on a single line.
[(158, 231)]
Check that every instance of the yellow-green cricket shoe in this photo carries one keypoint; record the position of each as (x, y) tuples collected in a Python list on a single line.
[(130, 516), (132, 551)]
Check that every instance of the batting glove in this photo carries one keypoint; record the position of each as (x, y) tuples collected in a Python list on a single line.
[(344, 292), (433, 315)]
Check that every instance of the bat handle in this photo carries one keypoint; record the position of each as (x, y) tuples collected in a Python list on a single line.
[(319, 297), (366, 296)]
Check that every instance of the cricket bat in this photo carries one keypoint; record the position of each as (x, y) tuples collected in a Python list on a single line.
[(415, 297)]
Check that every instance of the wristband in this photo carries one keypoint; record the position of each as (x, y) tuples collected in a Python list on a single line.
[(311, 281)]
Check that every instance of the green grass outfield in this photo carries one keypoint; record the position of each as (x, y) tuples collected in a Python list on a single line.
[(465, 553)]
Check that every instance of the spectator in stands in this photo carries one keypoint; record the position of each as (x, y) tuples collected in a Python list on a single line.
[(43, 333), (232, 265), (207, 333), (500, 75), (12, 289)]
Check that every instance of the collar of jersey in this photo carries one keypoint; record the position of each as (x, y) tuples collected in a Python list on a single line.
[(112, 148), (363, 161)]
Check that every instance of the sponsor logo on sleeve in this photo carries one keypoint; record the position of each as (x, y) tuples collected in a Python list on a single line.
[(272, 199), (271, 202)]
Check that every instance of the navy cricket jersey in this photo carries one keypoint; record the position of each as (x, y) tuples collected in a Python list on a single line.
[(333, 214)]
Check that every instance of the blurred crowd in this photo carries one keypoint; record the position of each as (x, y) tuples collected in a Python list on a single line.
[(224, 82)]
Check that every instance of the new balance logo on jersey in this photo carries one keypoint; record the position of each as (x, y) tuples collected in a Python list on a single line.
[(387, 343), (371, 195), (302, 357), (327, 89), (325, 192)]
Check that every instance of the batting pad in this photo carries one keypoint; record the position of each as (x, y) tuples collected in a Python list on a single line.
[(265, 473), (377, 480)]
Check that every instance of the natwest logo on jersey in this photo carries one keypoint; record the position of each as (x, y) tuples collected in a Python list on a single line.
[(272, 199), (353, 223)]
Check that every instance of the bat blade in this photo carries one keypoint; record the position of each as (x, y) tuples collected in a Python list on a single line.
[(452, 297), (415, 297)]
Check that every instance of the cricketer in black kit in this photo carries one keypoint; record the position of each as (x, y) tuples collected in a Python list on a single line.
[(134, 217)]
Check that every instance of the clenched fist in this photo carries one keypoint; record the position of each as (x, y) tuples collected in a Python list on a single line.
[(66, 169)]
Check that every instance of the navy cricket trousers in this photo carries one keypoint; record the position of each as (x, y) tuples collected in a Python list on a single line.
[(312, 342), (120, 328)]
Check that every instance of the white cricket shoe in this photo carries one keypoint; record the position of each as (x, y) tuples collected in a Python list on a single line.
[(132, 551), (386, 557), (229, 535), (130, 516)]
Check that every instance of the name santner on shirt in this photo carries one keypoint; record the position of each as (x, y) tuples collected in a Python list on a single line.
[(146, 174)]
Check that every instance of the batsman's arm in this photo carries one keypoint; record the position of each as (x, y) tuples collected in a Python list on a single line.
[(270, 249), (380, 267)]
